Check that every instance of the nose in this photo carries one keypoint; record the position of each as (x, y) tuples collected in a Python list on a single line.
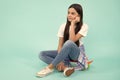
[(69, 15)]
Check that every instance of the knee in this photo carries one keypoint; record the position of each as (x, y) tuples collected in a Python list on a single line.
[(69, 43), (41, 55)]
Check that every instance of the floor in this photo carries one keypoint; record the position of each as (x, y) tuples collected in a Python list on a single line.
[(23, 35)]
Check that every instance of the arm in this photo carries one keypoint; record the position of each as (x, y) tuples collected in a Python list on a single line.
[(72, 36), (60, 44)]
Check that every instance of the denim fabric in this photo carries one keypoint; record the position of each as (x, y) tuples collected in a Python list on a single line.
[(69, 51)]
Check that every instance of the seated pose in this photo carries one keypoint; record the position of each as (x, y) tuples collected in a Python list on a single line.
[(69, 46)]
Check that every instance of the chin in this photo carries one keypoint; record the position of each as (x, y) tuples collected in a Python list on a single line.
[(69, 20)]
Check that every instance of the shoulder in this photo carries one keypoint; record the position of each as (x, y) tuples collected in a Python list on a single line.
[(63, 25), (84, 26), (84, 29), (61, 30)]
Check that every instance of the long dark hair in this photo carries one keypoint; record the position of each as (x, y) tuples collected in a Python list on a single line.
[(79, 10)]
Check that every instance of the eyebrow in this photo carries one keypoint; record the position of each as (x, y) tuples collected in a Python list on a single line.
[(71, 12)]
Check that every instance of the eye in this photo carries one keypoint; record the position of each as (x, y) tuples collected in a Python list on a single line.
[(68, 12), (73, 13)]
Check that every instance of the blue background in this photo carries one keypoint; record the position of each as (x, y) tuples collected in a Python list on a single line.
[(30, 26)]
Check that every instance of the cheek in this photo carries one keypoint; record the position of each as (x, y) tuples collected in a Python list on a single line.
[(74, 17)]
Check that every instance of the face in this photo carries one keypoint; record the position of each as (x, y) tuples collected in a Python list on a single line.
[(72, 14)]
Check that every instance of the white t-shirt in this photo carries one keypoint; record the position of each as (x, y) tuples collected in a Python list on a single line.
[(83, 31)]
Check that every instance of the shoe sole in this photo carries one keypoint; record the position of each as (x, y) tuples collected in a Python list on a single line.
[(68, 71), (40, 75)]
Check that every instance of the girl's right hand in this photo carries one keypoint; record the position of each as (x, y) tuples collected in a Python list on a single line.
[(76, 20)]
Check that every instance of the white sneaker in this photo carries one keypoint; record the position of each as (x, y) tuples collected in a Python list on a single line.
[(44, 72), (68, 71)]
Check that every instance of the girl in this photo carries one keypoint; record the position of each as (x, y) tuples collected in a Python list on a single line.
[(70, 35)]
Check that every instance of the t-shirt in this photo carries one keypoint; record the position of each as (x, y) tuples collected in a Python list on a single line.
[(83, 31)]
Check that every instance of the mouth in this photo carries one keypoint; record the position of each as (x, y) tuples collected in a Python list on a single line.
[(70, 19)]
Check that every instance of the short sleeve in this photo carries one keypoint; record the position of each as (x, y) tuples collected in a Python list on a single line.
[(84, 29), (61, 31)]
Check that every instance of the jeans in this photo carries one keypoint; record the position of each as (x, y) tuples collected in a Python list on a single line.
[(69, 51)]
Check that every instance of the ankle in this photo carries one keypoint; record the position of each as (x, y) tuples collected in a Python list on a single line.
[(65, 67), (51, 66)]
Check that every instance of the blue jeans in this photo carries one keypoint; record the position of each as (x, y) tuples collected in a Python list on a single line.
[(69, 51)]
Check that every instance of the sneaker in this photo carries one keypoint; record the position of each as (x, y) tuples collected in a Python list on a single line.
[(44, 72), (68, 71)]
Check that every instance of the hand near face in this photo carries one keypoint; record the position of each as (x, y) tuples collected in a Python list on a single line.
[(76, 20)]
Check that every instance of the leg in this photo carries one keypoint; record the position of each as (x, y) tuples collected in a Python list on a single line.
[(48, 56), (69, 49)]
